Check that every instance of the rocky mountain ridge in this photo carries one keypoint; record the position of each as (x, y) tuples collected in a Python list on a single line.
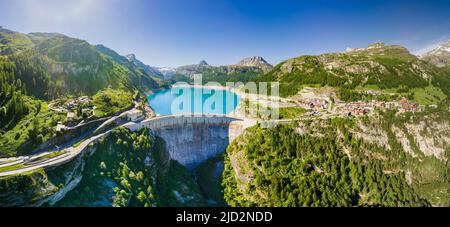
[(256, 65), (439, 56), (148, 69), (378, 65), (65, 65), (256, 61)]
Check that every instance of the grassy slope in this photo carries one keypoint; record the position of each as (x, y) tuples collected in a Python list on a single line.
[(54, 65), (17, 140), (388, 67), (110, 101), (71, 66), (291, 112)]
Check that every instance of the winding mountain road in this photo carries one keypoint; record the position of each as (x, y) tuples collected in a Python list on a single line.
[(19, 165), (70, 153)]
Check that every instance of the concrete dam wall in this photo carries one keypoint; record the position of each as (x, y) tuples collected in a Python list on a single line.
[(192, 139)]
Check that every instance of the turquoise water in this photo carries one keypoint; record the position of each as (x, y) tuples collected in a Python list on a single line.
[(193, 100)]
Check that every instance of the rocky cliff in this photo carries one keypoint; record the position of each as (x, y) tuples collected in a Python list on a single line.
[(389, 160), (123, 169)]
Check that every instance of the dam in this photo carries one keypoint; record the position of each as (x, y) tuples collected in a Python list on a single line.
[(192, 139)]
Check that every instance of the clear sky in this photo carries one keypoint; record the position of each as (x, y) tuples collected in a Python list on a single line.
[(179, 32)]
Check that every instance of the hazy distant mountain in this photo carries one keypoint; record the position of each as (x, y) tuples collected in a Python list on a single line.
[(148, 69), (440, 56), (203, 63), (167, 72), (191, 70), (244, 70)]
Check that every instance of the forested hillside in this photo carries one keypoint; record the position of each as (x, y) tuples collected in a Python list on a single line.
[(52, 65), (123, 169), (38, 68), (13, 106), (342, 162), (25, 121)]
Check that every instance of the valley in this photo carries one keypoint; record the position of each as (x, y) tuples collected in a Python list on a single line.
[(82, 125)]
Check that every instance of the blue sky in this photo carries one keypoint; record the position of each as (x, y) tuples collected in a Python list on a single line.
[(179, 32)]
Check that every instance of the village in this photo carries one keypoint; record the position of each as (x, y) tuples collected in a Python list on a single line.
[(361, 108), (80, 111), (320, 103)]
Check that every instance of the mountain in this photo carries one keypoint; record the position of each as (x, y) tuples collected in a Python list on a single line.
[(191, 70), (440, 56), (256, 61), (203, 63), (167, 72), (37, 68), (245, 70), (147, 69), (11, 41), (379, 65), (52, 65)]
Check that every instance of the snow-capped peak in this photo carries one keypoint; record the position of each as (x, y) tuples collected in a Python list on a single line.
[(439, 56)]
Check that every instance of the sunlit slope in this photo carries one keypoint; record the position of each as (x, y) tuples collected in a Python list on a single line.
[(379, 66)]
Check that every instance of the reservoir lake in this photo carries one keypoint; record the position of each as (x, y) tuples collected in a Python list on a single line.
[(188, 100)]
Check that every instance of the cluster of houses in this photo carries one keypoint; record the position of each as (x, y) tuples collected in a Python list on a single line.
[(407, 106), (71, 107), (76, 102), (73, 104), (363, 108), (357, 108), (313, 103)]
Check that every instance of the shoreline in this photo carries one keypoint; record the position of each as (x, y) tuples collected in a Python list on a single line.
[(242, 95)]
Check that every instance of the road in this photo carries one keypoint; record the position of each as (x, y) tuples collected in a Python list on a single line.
[(70, 153), (29, 163), (33, 162)]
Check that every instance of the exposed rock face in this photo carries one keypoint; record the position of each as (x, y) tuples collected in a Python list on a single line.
[(402, 138), (374, 134), (147, 69), (256, 61), (43, 186), (191, 70), (192, 140), (167, 72), (385, 66), (252, 64), (440, 56), (194, 143), (432, 138)]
